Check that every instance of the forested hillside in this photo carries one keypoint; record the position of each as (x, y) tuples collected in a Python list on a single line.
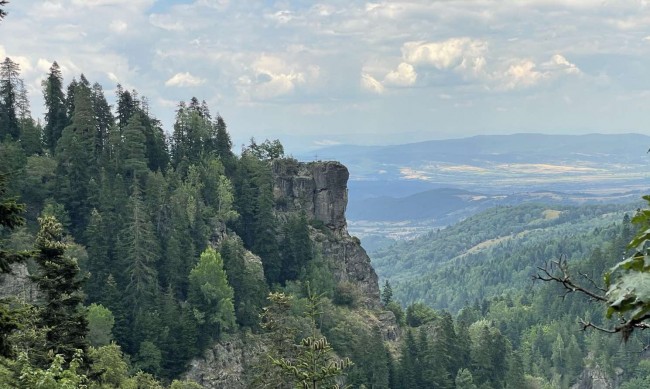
[(144, 248), (483, 268), (494, 252), (136, 258)]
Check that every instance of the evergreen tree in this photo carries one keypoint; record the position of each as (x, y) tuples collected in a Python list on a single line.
[(9, 82), (387, 294), (250, 291), (10, 218), (103, 119), (314, 365), (211, 296), (61, 284), (55, 116), (138, 248), (135, 162), (76, 159)]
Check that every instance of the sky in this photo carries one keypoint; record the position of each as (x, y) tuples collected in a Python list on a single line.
[(314, 74)]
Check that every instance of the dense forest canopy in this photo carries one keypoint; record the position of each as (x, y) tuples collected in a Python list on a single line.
[(145, 248)]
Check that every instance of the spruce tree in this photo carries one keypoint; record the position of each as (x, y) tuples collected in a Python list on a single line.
[(138, 253), (135, 162), (9, 73), (77, 163), (55, 116), (60, 282)]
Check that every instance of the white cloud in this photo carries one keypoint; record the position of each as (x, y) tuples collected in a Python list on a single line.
[(558, 63), (184, 80), (369, 83), (521, 74), (443, 54), (404, 75), (272, 76), (166, 22), (524, 73), (118, 26)]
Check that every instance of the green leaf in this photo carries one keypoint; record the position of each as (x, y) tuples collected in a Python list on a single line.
[(630, 293)]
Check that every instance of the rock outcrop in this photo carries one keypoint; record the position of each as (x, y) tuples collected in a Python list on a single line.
[(222, 365), (320, 190), (18, 284)]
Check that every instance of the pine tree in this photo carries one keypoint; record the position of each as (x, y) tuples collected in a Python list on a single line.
[(55, 117), (60, 282)]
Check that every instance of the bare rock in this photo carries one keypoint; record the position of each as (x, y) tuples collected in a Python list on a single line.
[(18, 284)]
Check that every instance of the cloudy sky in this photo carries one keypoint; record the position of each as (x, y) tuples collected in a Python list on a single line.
[(384, 72)]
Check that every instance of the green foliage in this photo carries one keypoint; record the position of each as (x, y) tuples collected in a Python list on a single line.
[(418, 314), (246, 277), (61, 284), (267, 150), (56, 376), (387, 294), (109, 366), (492, 253), (211, 296), (314, 364), (629, 293), (100, 325)]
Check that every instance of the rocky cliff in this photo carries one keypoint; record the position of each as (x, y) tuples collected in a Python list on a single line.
[(319, 189)]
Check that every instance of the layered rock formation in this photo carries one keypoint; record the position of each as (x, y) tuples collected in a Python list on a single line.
[(319, 189)]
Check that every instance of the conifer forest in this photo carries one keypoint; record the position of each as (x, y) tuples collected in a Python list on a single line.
[(135, 256)]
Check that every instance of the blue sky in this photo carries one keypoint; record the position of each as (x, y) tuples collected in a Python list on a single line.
[(382, 72)]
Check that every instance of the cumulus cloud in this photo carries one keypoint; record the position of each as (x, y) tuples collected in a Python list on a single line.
[(184, 80), (559, 64), (370, 84), (525, 73), (521, 74), (404, 75), (444, 54), (271, 76)]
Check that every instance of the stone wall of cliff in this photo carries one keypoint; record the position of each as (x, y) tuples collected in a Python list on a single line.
[(320, 190)]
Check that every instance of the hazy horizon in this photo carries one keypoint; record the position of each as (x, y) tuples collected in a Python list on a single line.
[(385, 72)]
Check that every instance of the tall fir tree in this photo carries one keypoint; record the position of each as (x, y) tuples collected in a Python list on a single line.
[(139, 254), (55, 115), (77, 162), (9, 82), (61, 283)]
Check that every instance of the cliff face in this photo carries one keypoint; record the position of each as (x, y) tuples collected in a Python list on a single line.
[(320, 190), (18, 284)]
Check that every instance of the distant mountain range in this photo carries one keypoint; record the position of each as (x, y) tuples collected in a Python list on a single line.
[(401, 191), (496, 163)]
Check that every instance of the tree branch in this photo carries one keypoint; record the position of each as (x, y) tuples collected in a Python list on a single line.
[(548, 273)]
